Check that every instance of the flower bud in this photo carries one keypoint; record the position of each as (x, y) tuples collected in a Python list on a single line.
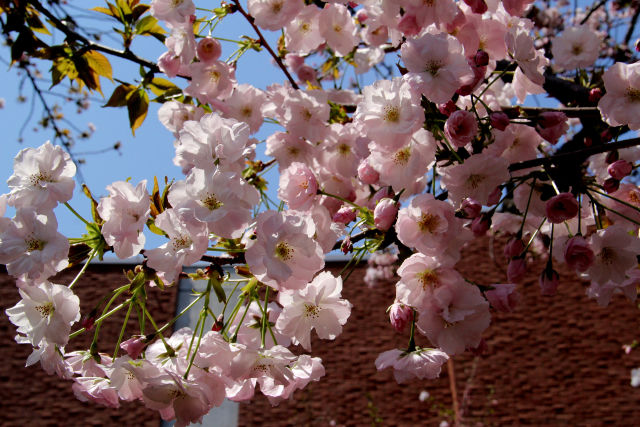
[(218, 324), (606, 135), (562, 207), (552, 125), (549, 281), (503, 297), (384, 192), (513, 248), (481, 58), (346, 245), (400, 316), (480, 225), (461, 127), (134, 346), (345, 215), (88, 321), (499, 120), (612, 156), (448, 108), (477, 6), (595, 94), (362, 16), (208, 49), (306, 73), (517, 269), (619, 169), (611, 185), (385, 213), (578, 254), (367, 174), (470, 208)]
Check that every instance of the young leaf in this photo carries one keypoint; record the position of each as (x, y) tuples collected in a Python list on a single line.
[(137, 105), (99, 63), (120, 95)]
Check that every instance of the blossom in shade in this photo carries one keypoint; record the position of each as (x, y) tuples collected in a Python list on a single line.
[(619, 169), (615, 252), (476, 178), (552, 125), (621, 103), (125, 213), (284, 254), (42, 177), (461, 127), (45, 312), (430, 226), (578, 254), (603, 293), (421, 363), (454, 317), (503, 297), (96, 389), (318, 306), (400, 316), (437, 66), (561, 207), (576, 47), (31, 245)]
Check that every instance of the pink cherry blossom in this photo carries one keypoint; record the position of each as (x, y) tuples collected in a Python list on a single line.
[(578, 254), (561, 207), (615, 253), (420, 363), (619, 169), (302, 34), (385, 214), (318, 306), (284, 254), (461, 127), (208, 49), (45, 312), (172, 11), (621, 103), (503, 297), (338, 29), (42, 177), (125, 213), (576, 47), (298, 186), (437, 66), (274, 14)]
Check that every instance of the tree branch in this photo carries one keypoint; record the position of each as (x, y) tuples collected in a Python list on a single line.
[(265, 44), (571, 156)]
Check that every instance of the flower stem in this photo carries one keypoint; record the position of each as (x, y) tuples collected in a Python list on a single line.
[(73, 211), (81, 272)]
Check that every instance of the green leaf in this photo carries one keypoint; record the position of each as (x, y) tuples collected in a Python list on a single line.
[(137, 105), (138, 10), (154, 229), (99, 63), (120, 95), (94, 205), (159, 86), (61, 68), (104, 10), (148, 25)]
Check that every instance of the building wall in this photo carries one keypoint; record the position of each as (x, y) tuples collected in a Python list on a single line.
[(28, 396)]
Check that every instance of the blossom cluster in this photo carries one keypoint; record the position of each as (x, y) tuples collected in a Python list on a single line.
[(408, 169)]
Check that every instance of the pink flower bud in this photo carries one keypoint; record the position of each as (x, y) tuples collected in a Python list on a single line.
[(306, 73), (494, 197), (384, 214), (470, 208), (516, 270), (499, 120), (208, 49), (88, 321), (513, 248), (448, 108), (605, 135), (400, 316), (346, 245), (578, 254), (362, 16), (480, 225), (549, 281), (619, 169), (384, 192), (595, 94), (218, 324), (611, 185), (477, 6), (612, 157), (562, 207), (503, 297), (345, 215), (367, 174), (134, 346), (481, 58), (552, 125)]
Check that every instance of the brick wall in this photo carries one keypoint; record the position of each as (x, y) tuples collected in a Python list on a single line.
[(28, 396)]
